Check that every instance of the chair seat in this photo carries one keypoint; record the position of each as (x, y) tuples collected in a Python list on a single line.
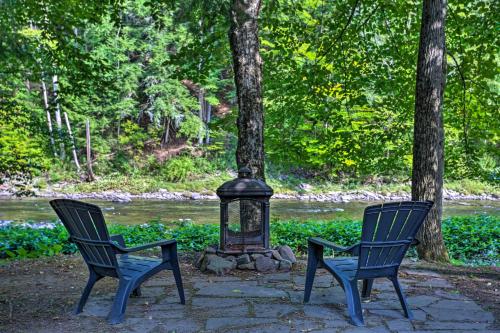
[(344, 266), (134, 266)]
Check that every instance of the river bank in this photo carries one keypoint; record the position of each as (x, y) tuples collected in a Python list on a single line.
[(163, 194), (126, 189)]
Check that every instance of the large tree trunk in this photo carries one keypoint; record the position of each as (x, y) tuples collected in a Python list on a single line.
[(428, 142), (247, 64)]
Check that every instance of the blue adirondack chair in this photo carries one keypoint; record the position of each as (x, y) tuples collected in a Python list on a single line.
[(387, 233), (107, 255)]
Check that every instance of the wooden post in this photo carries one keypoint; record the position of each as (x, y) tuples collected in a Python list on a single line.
[(73, 146), (90, 173)]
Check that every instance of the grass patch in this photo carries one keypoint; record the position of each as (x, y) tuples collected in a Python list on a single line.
[(208, 183)]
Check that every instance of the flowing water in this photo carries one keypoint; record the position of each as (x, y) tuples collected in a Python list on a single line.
[(141, 211)]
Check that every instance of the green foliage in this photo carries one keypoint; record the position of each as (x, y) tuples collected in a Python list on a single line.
[(475, 238), (21, 141), (470, 239), (178, 169), (132, 135), (182, 168), (339, 80), (295, 233), (23, 242)]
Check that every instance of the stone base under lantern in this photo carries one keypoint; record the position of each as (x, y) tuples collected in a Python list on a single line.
[(281, 258)]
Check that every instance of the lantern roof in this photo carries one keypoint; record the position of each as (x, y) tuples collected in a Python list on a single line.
[(244, 186)]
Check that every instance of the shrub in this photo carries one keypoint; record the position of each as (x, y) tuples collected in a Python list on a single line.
[(471, 239), (24, 242), (178, 169)]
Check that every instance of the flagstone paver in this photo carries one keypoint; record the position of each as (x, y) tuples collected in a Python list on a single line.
[(273, 303)]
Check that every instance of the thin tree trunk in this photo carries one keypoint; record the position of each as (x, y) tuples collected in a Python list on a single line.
[(207, 121), (428, 142), (201, 101), (49, 119), (166, 132), (247, 63), (90, 173), (58, 115), (73, 146)]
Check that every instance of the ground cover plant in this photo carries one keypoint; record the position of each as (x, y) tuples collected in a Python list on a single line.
[(469, 239)]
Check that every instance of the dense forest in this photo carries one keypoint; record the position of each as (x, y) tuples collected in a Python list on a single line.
[(155, 81)]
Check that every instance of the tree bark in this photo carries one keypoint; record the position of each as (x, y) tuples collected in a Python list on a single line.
[(49, 118), (428, 141), (208, 116), (58, 115), (73, 146), (90, 173), (201, 112), (247, 64)]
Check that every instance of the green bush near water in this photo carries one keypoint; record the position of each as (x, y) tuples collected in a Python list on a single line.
[(470, 239)]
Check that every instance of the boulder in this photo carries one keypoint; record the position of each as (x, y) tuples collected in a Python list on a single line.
[(243, 259), (195, 196), (231, 258), (256, 255), (287, 253), (205, 261), (220, 266), (285, 265), (265, 264), (211, 250), (250, 266), (199, 259), (276, 255)]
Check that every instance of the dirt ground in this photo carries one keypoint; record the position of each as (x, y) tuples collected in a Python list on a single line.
[(38, 293)]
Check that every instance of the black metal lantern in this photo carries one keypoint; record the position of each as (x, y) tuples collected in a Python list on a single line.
[(244, 214)]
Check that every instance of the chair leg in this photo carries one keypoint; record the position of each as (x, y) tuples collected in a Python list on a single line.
[(367, 288), (137, 292), (312, 265), (117, 313), (177, 273), (353, 302), (93, 278), (402, 298), (313, 255)]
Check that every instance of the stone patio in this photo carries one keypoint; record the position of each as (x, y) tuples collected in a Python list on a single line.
[(273, 303)]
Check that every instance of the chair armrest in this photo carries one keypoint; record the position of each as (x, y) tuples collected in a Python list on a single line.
[(118, 239), (162, 243), (354, 249)]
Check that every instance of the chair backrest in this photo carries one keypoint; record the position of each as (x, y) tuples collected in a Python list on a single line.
[(388, 230), (87, 229)]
